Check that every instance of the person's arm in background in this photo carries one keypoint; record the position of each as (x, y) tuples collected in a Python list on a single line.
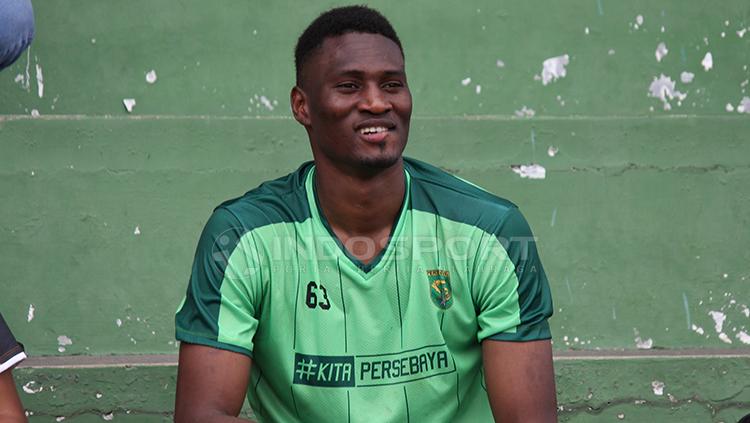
[(11, 353), (513, 300), (211, 385), (16, 29)]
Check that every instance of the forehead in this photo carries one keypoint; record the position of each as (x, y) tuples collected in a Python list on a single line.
[(368, 53)]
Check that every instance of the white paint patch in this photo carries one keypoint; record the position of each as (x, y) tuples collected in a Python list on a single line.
[(478, 89), (708, 61), (744, 337), (500, 63), (39, 81), (32, 387), (745, 310), (108, 416), (118, 322), (621, 416), (34, 113), (525, 112), (60, 418), (663, 29), (552, 151), (151, 76), (744, 106), (129, 104), (137, 230), (62, 342), (19, 79), (729, 107), (586, 30), (98, 395), (532, 171), (741, 32), (266, 102), (30, 314), (466, 81), (661, 51), (723, 336), (687, 77), (554, 68), (719, 319), (639, 20), (611, 52), (697, 329), (644, 344), (658, 387), (663, 88)]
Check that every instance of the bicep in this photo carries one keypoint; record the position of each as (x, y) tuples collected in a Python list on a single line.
[(520, 380), (210, 382)]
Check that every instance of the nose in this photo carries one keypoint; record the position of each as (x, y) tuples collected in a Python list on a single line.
[(374, 100)]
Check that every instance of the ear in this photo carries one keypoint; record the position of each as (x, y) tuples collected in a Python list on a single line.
[(298, 99)]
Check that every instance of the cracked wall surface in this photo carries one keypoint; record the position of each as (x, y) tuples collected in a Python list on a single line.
[(641, 214)]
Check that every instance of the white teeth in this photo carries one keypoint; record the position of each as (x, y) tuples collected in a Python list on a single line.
[(373, 130)]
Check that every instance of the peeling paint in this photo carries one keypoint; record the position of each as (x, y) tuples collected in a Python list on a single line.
[(708, 61), (466, 81), (554, 68), (137, 230), (723, 336), (118, 322), (151, 76), (34, 113), (687, 77), (525, 112), (32, 387), (30, 313), (661, 51), (39, 81), (531, 171), (108, 416), (266, 102), (744, 337), (744, 106), (697, 329), (499, 63), (729, 107), (663, 88), (478, 89), (719, 319), (129, 104), (552, 151), (642, 343), (658, 387), (62, 342)]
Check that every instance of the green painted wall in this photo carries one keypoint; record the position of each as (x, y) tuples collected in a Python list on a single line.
[(642, 217)]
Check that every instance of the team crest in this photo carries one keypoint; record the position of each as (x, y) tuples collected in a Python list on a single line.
[(440, 288)]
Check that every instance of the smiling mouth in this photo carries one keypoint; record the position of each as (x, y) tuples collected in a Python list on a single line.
[(373, 130)]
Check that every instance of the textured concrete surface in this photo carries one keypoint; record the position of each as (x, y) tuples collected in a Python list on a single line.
[(642, 216)]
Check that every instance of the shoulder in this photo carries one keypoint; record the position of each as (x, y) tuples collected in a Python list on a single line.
[(276, 201), (438, 192), (11, 352)]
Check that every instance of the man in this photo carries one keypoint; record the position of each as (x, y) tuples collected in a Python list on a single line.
[(11, 353), (16, 29), (364, 286)]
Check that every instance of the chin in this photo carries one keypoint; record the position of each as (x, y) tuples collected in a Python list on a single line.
[(383, 161)]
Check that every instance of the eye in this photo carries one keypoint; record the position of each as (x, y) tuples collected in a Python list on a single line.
[(393, 85), (346, 86)]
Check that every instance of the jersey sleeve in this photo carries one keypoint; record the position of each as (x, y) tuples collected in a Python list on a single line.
[(11, 351), (510, 288), (221, 304)]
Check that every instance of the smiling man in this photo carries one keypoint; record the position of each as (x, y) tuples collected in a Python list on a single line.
[(364, 286)]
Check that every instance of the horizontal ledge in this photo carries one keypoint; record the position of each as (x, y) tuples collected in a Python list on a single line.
[(161, 360), (510, 118)]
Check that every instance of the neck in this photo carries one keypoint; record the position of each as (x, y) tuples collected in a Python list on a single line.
[(360, 204)]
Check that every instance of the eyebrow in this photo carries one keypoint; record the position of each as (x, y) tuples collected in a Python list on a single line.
[(360, 74)]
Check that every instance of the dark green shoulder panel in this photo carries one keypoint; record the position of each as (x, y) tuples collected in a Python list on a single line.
[(280, 200), (436, 191)]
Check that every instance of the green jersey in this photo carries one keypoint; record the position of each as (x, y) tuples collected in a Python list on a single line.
[(395, 340)]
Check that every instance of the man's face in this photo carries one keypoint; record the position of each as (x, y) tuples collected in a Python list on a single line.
[(356, 104)]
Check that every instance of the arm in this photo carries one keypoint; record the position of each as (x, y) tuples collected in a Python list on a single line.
[(11, 410), (211, 385), (520, 381)]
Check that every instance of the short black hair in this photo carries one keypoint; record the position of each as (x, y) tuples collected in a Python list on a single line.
[(340, 21)]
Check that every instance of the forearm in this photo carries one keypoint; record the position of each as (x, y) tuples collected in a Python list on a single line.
[(14, 418)]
